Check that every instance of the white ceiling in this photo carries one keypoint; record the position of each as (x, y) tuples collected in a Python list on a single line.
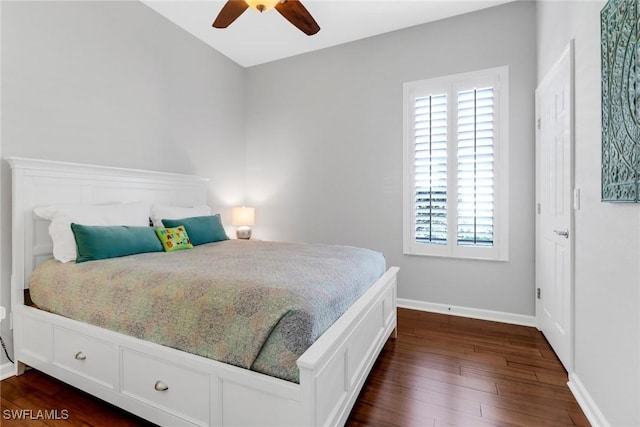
[(256, 38)]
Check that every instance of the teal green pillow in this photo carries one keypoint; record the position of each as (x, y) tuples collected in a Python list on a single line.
[(201, 229), (100, 242)]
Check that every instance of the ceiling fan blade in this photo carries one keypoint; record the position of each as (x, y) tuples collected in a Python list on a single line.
[(299, 16), (229, 13)]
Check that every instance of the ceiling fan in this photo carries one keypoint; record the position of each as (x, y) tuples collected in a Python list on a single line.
[(292, 10)]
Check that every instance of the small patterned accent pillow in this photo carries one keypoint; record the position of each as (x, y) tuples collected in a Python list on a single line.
[(174, 239)]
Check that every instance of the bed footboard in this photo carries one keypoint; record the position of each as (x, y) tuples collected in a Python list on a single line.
[(334, 369)]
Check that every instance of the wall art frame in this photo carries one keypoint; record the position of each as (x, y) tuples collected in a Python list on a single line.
[(620, 55)]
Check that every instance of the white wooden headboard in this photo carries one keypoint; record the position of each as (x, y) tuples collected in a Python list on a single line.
[(38, 183)]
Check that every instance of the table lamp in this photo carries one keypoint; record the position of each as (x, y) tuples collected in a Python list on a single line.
[(244, 218)]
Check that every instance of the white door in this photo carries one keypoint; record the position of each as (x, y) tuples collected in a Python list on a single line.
[(554, 204)]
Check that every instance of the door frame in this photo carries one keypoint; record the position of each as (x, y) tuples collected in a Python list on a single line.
[(573, 196)]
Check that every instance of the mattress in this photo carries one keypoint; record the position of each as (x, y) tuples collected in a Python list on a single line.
[(253, 304)]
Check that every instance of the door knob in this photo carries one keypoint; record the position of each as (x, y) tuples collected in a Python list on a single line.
[(564, 233)]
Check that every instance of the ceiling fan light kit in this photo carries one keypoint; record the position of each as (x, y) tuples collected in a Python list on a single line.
[(292, 10), (262, 5)]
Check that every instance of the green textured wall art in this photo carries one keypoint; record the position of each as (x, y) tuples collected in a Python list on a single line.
[(620, 27)]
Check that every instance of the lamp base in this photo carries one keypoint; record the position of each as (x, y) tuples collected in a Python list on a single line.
[(243, 232)]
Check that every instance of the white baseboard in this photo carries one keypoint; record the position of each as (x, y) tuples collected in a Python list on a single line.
[(7, 370), (474, 313), (588, 406)]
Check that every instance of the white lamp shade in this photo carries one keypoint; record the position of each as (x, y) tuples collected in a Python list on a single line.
[(243, 216)]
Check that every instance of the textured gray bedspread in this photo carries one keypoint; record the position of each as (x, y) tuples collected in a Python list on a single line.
[(258, 305)]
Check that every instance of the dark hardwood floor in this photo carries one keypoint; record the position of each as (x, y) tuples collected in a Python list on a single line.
[(441, 371)]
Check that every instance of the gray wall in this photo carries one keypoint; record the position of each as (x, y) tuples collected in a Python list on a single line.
[(114, 83), (324, 149), (607, 235)]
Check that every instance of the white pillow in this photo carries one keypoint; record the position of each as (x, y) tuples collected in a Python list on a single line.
[(160, 212), (64, 244)]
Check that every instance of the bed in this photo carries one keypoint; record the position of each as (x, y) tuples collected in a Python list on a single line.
[(157, 382)]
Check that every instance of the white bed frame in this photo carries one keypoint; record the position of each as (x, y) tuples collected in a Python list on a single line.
[(160, 384)]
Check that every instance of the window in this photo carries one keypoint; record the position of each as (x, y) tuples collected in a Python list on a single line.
[(456, 165)]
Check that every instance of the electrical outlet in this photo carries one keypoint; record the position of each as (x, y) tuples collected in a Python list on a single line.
[(3, 313)]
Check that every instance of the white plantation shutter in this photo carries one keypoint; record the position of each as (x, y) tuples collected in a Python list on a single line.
[(475, 167), (455, 166), (430, 148)]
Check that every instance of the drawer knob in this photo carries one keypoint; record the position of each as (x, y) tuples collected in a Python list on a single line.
[(80, 356), (160, 386)]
